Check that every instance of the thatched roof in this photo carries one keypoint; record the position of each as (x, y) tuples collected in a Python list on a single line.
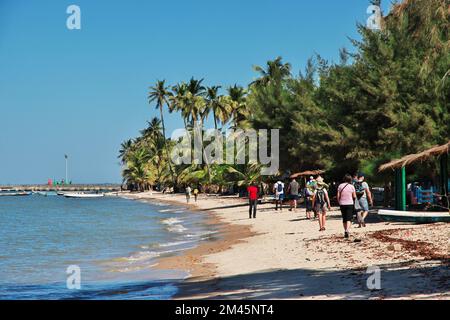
[(418, 157), (307, 173)]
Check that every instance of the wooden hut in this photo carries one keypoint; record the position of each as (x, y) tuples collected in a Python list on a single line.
[(399, 166)]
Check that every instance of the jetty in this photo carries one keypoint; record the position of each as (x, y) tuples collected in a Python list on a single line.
[(66, 188)]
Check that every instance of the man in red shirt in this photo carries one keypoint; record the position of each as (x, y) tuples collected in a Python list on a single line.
[(253, 199)]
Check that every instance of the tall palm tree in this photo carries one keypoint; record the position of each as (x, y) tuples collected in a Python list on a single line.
[(179, 101), (161, 94), (213, 102), (276, 70), (196, 106), (238, 99)]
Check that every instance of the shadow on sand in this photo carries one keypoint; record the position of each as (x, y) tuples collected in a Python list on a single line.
[(397, 280)]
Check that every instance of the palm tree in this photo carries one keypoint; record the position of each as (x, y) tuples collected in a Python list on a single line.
[(179, 100), (237, 96), (153, 129), (137, 171), (196, 106), (161, 94), (125, 149), (276, 70), (213, 102)]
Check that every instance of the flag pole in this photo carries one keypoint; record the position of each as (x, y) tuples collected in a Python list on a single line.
[(66, 157)]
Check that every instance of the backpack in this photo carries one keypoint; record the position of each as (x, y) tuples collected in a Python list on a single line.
[(279, 187), (359, 189), (320, 196)]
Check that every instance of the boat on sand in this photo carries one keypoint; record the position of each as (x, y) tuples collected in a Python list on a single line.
[(414, 216)]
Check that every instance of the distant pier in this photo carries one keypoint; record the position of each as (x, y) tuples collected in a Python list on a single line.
[(70, 187)]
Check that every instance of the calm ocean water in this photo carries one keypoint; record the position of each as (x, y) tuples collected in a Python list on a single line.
[(114, 241)]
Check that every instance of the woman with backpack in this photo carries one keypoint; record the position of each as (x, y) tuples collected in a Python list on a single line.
[(278, 188), (321, 202), (346, 197)]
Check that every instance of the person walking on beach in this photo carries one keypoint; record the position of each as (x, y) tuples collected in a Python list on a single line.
[(309, 192), (253, 200), (363, 199), (346, 197), (278, 188), (188, 193), (293, 194), (195, 194), (321, 201)]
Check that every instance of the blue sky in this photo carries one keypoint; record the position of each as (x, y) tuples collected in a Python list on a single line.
[(82, 92)]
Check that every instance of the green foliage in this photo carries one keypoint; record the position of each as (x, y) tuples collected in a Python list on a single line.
[(387, 98)]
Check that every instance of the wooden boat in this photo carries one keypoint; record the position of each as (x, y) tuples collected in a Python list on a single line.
[(414, 216), (84, 195), (14, 194)]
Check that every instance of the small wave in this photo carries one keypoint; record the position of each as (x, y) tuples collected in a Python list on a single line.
[(173, 244), (201, 234), (171, 221), (139, 256), (132, 269), (165, 210), (177, 228), (207, 233), (159, 204)]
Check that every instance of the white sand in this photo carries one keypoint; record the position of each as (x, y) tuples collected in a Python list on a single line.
[(288, 258)]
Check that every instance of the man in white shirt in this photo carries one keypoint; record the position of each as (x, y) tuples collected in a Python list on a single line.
[(278, 188)]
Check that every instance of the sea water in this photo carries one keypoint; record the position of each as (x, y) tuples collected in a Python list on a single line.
[(114, 242)]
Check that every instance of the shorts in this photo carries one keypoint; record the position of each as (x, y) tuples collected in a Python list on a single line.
[(347, 212), (293, 196), (279, 197), (361, 205), (319, 208), (308, 203)]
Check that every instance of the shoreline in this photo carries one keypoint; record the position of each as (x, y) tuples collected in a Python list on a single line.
[(191, 260), (284, 256)]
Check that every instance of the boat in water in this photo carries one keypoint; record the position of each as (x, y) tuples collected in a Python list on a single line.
[(84, 195), (46, 193), (14, 194), (414, 216)]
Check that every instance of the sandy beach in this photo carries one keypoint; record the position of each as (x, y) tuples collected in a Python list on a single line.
[(282, 255)]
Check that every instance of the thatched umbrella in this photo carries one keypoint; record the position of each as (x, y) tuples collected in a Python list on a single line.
[(307, 173), (417, 157)]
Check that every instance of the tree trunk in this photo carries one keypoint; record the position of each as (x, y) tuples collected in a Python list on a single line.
[(165, 145)]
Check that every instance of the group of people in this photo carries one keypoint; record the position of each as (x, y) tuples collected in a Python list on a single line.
[(353, 196)]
